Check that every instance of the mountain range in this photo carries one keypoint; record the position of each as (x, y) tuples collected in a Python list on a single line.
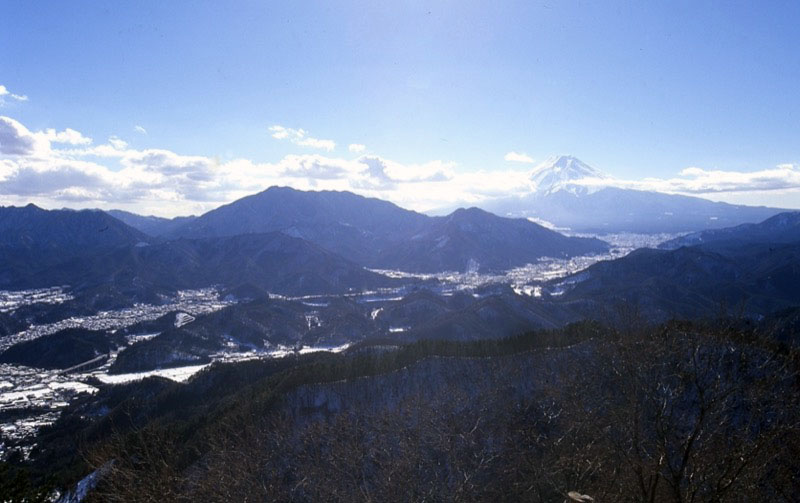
[(379, 234), (280, 240)]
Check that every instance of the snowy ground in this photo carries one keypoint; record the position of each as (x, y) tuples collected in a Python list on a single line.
[(11, 300), (46, 392), (192, 302), (178, 374)]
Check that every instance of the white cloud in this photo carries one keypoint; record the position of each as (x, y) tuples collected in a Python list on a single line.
[(139, 129), (356, 148), (62, 168), (115, 175), (57, 180), (69, 136), (519, 157), (15, 139), (385, 170), (300, 137), (4, 92)]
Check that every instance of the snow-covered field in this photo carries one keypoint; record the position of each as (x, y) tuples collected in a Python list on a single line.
[(11, 300), (178, 374), (193, 302)]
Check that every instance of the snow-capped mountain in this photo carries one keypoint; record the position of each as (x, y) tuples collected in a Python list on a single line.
[(567, 173), (568, 193)]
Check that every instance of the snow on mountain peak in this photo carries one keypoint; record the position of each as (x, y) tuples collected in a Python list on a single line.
[(564, 172)]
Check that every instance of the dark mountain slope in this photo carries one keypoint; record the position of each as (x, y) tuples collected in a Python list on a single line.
[(353, 226), (496, 316), (781, 228), (413, 309), (62, 349), (265, 324), (284, 208), (258, 325), (496, 411), (475, 239), (274, 262), (63, 231), (691, 282), (33, 240)]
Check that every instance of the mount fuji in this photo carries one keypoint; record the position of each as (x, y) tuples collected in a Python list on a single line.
[(567, 173), (569, 193)]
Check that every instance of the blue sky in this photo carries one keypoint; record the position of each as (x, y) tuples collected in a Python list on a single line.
[(432, 90)]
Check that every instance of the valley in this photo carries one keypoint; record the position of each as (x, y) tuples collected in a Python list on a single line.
[(27, 391), (322, 283)]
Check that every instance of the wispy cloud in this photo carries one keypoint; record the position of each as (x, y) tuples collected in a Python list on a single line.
[(139, 129), (698, 181), (5, 93), (118, 143), (300, 137), (701, 181), (356, 148), (519, 157)]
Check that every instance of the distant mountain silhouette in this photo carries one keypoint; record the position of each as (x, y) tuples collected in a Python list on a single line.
[(355, 227), (295, 211), (150, 225)]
